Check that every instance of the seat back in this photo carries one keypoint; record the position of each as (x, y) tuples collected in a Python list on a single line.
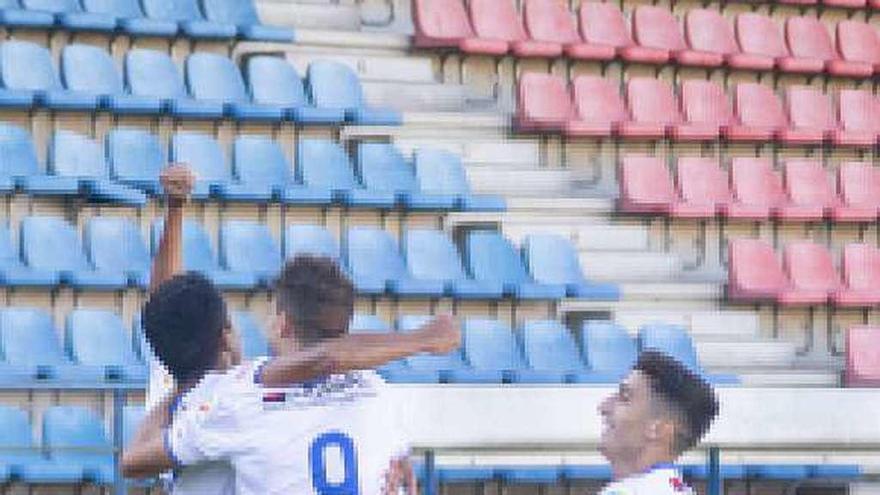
[(809, 267), (549, 21), (431, 255), (807, 183), (706, 30), (29, 338), (645, 183), (367, 324), (491, 257), (27, 66), (9, 253), (214, 77), (440, 172), (544, 99), (372, 253), (858, 184), (238, 12), (759, 35), (75, 155), (701, 181), (334, 85), (383, 168), (132, 417), (858, 111), (608, 348), (273, 81), (496, 20), (602, 23), (172, 10), (656, 27), (54, 6), (548, 345), (757, 106), (90, 69), (672, 340), (18, 158), (247, 246), (861, 267), (72, 427), (651, 101), (490, 345), (123, 9), (50, 243), (323, 163), (202, 154), (441, 19), (809, 108), (152, 73), (858, 42), (863, 356), (598, 100), (704, 102), (98, 337), (15, 431), (807, 37), (754, 268), (260, 160), (116, 244), (310, 240), (134, 153), (552, 259), (754, 182), (254, 342)]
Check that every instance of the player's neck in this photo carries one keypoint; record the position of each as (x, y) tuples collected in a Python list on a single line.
[(643, 462)]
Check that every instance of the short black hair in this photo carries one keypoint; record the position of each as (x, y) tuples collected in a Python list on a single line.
[(183, 322), (692, 397), (309, 290)]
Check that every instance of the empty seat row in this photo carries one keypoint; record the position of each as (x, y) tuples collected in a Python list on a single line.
[(707, 40), (862, 357), (751, 190), (270, 90), (593, 107), (806, 275), (198, 19)]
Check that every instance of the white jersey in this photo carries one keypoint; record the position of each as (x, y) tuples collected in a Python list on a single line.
[(337, 435), (658, 481)]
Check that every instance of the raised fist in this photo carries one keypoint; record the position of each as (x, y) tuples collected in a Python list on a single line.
[(177, 182), (441, 335)]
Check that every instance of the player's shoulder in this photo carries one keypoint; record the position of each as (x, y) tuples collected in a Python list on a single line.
[(665, 481)]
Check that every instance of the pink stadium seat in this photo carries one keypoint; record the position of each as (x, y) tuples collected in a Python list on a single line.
[(859, 118), (550, 21), (850, 4), (543, 103), (445, 24), (652, 106), (812, 49), (498, 20), (604, 29), (760, 42), (702, 188), (645, 185), (874, 4), (863, 357), (656, 35), (809, 193), (755, 271), (708, 32), (599, 108), (812, 278), (861, 277), (706, 110), (759, 112), (858, 42), (858, 186), (757, 189), (810, 116)]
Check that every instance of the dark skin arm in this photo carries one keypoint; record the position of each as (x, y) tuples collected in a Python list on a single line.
[(177, 182)]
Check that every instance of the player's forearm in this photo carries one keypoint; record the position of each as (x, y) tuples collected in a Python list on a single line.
[(146, 459), (168, 260)]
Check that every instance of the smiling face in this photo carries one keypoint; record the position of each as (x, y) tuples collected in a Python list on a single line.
[(628, 418)]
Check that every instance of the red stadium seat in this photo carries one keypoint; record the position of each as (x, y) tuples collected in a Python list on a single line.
[(552, 22), (760, 42), (498, 20), (863, 357), (861, 277), (708, 32), (812, 278), (543, 103), (757, 189), (445, 24), (858, 42), (645, 185), (809, 193), (759, 112), (813, 51), (656, 35), (652, 106), (859, 118), (702, 188), (755, 271), (706, 110), (604, 29), (810, 116), (858, 186), (599, 108)]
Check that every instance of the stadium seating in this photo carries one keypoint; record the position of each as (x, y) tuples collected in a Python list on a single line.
[(29, 78), (427, 368), (115, 245), (132, 417), (136, 158), (551, 22), (131, 19), (675, 341), (813, 51), (377, 267), (760, 114), (19, 168), (310, 240), (273, 81), (608, 349), (861, 273), (757, 189), (702, 189), (215, 78), (335, 86), (75, 437), (498, 20), (858, 43), (760, 39), (69, 15), (13, 16), (259, 164), (243, 14), (248, 247), (23, 459), (254, 342), (600, 109), (543, 103), (550, 347), (605, 31), (810, 194), (98, 338), (811, 119), (710, 35), (152, 74), (324, 166), (656, 28), (705, 109), (383, 168), (13, 271), (441, 173), (206, 159), (755, 271), (431, 255), (862, 365), (552, 260), (491, 349), (445, 24), (859, 186), (653, 109), (491, 258), (645, 185), (189, 17)]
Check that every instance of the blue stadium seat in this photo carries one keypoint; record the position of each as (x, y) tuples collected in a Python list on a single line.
[(212, 77), (29, 78), (580, 472), (115, 245), (549, 346), (198, 256), (69, 15), (243, 14), (254, 342), (491, 349), (335, 85), (23, 460), (727, 471), (465, 474), (19, 167), (132, 417), (834, 471), (310, 240), (440, 172), (188, 14), (365, 324), (131, 18), (377, 267), (13, 16), (248, 247), (75, 436), (431, 255), (608, 348), (74, 155), (51, 244), (528, 475), (785, 472), (13, 272), (553, 260), (202, 153), (259, 163), (324, 165), (136, 158), (31, 351), (273, 81), (493, 259), (675, 341), (152, 74), (87, 69), (383, 168), (427, 368), (97, 338)]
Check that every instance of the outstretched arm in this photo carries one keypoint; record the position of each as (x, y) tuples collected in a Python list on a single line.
[(177, 182)]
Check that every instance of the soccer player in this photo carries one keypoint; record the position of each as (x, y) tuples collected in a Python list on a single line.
[(660, 410)]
